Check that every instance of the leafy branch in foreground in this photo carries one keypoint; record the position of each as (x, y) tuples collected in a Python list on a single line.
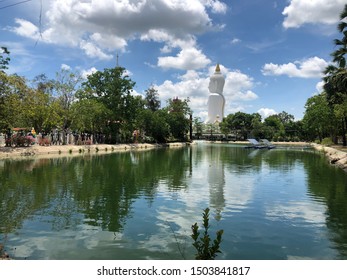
[(206, 248)]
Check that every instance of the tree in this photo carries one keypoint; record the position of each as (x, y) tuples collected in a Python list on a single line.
[(178, 118), (336, 76), (4, 58), (226, 124), (42, 111), (290, 126), (89, 115), (274, 128), (285, 117), (152, 99), (13, 89), (113, 88), (43, 84), (198, 127), (65, 87), (257, 127), (39, 111), (242, 123), (319, 117), (154, 125)]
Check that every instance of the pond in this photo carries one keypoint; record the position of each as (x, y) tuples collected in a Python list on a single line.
[(284, 203)]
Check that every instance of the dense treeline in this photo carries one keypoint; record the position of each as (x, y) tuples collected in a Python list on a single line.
[(101, 104), (104, 104)]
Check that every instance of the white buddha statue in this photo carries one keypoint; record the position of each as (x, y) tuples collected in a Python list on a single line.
[(216, 99)]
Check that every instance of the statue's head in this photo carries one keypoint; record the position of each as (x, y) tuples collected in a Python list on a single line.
[(217, 82)]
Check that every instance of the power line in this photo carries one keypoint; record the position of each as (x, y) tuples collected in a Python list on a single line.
[(11, 5)]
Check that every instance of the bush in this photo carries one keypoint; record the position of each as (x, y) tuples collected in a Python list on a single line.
[(327, 141), (206, 250), (19, 141)]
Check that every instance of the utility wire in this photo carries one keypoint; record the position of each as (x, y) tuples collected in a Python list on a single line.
[(11, 5), (40, 24)]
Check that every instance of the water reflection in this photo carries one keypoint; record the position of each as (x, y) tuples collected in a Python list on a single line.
[(272, 204)]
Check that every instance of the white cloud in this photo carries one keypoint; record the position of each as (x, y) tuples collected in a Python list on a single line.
[(238, 85), (235, 41), (319, 86), (86, 73), (65, 67), (300, 12), (22, 59), (26, 29), (109, 41), (187, 59), (100, 27), (165, 49), (266, 112), (309, 68), (218, 7), (92, 50)]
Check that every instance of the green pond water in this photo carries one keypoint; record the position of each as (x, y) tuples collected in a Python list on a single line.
[(285, 203)]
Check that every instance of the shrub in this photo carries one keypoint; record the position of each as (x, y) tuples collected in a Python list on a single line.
[(327, 141), (206, 250), (20, 141)]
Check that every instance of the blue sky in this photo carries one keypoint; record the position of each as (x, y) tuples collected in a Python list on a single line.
[(272, 53)]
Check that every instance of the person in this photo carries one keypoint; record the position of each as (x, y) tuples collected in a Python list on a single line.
[(33, 132)]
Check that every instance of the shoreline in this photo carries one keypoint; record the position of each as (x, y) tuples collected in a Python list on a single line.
[(37, 151), (337, 157)]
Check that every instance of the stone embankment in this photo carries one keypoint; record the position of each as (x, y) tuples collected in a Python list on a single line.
[(335, 156), (71, 150)]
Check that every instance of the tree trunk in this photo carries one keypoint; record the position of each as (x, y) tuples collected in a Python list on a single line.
[(344, 126)]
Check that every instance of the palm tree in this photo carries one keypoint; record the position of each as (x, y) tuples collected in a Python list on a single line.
[(335, 78)]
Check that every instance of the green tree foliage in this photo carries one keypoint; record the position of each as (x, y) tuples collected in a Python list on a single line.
[(40, 111), (27, 107), (319, 119), (275, 128), (178, 118), (152, 99), (103, 103), (65, 87), (336, 76), (113, 88), (154, 125), (13, 89), (43, 84), (198, 126), (4, 58), (240, 124), (89, 115), (43, 111)]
